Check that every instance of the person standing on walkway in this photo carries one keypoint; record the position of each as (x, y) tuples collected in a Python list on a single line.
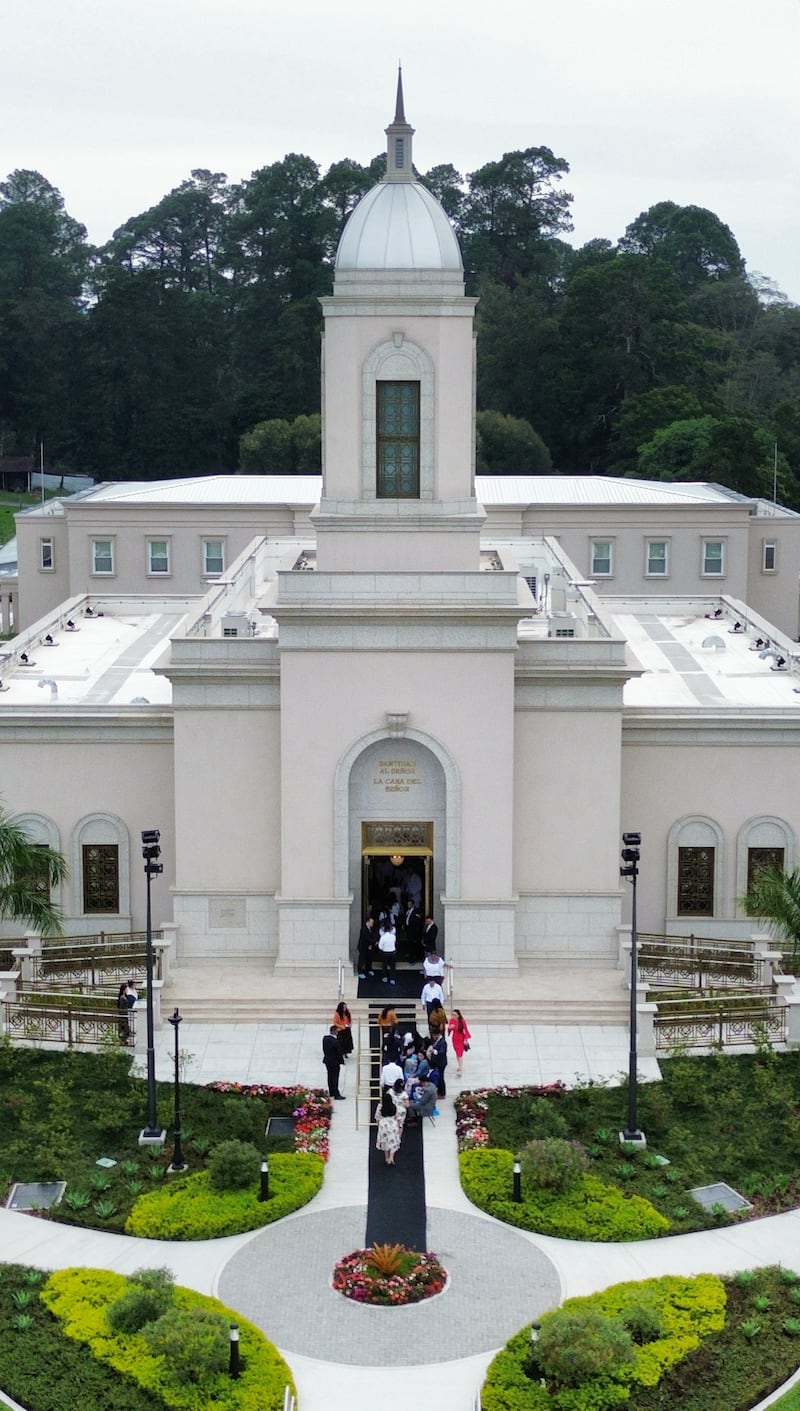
[(332, 1058), (387, 945), (388, 1138), (342, 1022), (459, 1038), (400, 1099), (437, 1057)]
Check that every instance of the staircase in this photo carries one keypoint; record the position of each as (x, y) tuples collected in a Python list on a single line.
[(236, 992)]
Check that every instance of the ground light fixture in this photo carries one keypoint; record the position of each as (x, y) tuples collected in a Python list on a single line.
[(233, 1351), (178, 1163), (632, 843), (151, 1134), (517, 1170), (264, 1191)]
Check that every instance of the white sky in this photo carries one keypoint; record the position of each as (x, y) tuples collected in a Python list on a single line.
[(694, 101)]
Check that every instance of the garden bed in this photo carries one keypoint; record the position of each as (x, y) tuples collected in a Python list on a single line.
[(716, 1118)]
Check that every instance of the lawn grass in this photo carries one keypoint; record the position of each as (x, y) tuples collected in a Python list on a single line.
[(61, 1112), (715, 1118)]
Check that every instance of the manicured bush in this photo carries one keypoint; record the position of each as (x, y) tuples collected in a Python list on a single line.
[(190, 1209), (148, 1295), (544, 1118), (78, 1298), (234, 1165), (193, 1343), (591, 1211), (581, 1345), (554, 1164)]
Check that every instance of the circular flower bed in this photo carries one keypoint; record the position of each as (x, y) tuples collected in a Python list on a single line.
[(390, 1275)]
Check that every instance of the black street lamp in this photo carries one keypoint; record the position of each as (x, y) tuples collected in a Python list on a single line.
[(152, 1134), (630, 856), (264, 1191), (178, 1163)]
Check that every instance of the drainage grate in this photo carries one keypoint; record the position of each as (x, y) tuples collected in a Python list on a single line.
[(720, 1194), (35, 1195)]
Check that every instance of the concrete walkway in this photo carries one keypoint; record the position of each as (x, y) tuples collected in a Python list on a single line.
[(499, 1278)]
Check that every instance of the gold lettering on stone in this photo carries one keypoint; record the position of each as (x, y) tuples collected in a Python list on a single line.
[(396, 776)]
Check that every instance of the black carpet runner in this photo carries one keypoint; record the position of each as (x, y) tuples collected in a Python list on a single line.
[(407, 985), (396, 1202)]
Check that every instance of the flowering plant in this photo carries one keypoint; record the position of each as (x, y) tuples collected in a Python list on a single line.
[(416, 1276), (311, 1111), (471, 1109)]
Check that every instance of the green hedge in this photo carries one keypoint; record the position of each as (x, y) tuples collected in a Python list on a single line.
[(79, 1298), (688, 1310), (591, 1210), (189, 1209)]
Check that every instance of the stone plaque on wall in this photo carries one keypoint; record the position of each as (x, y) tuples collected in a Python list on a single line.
[(226, 914)]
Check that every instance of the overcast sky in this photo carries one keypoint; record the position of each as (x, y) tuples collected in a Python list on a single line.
[(694, 101)]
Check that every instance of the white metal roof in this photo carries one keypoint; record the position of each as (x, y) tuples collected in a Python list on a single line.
[(398, 225)]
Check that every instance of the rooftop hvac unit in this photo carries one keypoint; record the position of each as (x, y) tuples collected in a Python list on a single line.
[(562, 624), (235, 624)]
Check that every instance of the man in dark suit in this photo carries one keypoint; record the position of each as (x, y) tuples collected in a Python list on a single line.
[(429, 935), (365, 942), (413, 928), (332, 1058)]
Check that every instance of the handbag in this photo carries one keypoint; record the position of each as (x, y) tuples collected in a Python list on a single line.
[(466, 1046)]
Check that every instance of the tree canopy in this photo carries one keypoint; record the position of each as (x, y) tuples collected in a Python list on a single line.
[(27, 873), (190, 341)]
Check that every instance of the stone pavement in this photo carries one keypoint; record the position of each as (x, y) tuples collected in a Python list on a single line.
[(499, 1278)]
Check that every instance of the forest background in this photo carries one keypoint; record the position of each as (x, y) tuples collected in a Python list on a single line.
[(190, 343)]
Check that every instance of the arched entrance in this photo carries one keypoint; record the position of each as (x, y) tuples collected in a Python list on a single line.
[(397, 821)]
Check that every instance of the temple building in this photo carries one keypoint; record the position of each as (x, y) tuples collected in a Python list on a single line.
[(403, 679)]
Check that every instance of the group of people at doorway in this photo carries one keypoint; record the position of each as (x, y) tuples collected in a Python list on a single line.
[(396, 930)]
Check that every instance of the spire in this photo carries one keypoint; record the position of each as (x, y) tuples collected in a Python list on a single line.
[(399, 166)]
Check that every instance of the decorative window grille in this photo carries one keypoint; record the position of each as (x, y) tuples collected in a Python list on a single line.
[(695, 881), (37, 879), (398, 440), (101, 877), (761, 860)]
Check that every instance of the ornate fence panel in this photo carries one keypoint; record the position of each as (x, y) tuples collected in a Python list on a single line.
[(724, 1021), (684, 962), (70, 1024), (100, 960)]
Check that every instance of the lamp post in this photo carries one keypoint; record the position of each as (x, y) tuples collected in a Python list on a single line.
[(233, 1352), (517, 1188), (178, 1163), (630, 857), (264, 1191), (151, 1134)]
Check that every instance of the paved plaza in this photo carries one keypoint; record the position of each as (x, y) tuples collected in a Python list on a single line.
[(499, 1278)]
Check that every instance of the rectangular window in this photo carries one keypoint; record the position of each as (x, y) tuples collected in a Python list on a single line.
[(769, 556), (695, 881), (762, 860), (657, 558), (158, 556), (101, 878), (399, 152), (713, 558), (213, 557), (398, 440), (37, 880), (102, 556), (602, 558), (47, 559)]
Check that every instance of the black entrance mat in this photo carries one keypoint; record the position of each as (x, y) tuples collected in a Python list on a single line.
[(408, 985), (396, 1200), (396, 1205)]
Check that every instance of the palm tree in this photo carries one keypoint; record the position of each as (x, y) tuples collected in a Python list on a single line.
[(27, 873), (774, 897)]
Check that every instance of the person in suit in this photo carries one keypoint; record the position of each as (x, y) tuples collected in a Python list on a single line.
[(430, 934), (413, 928), (332, 1058), (365, 942)]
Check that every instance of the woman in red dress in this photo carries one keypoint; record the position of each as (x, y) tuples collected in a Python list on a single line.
[(459, 1037)]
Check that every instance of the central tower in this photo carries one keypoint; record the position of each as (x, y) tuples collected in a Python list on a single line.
[(398, 384)]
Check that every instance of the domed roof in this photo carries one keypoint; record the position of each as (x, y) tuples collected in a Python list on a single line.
[(398, 225)]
